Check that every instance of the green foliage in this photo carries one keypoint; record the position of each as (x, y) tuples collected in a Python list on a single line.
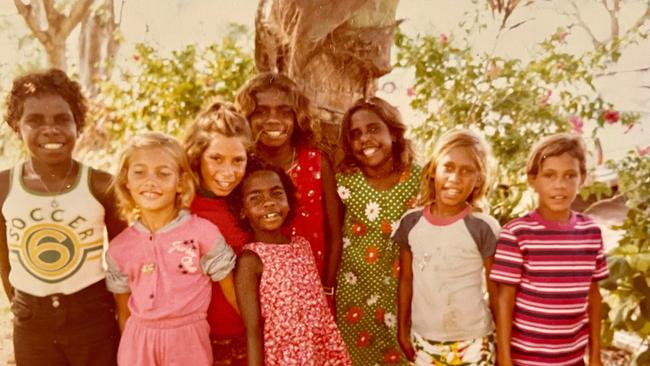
[(164, 93), (511, 102), (627, 295)]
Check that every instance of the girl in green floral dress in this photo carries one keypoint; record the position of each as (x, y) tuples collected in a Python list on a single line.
[(377, 182)]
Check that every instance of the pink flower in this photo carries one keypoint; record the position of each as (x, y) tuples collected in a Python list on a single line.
[(136, 56), (643, 151), (611, 116), (410, 92), (629, 128), (443, 39), (577, 124), (560, 36), (546, 97)]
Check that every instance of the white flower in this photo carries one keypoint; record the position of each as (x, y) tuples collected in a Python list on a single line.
[(346, 242), (350, 278), (372, 211), (390, 320), (372, 300), (343, 192), (387, 280)]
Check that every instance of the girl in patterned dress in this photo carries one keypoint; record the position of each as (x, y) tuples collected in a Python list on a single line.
[(278, 114), (283, 306), (377, 182)]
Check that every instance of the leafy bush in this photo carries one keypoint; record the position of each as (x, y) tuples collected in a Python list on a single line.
[(163, 94)]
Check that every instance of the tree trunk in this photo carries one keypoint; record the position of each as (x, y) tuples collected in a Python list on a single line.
[(335, 51), (97, 46)]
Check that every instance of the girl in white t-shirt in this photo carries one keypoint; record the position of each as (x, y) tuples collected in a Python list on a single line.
[(443, 317)]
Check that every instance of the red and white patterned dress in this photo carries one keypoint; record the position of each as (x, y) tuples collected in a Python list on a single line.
[(299, 328)]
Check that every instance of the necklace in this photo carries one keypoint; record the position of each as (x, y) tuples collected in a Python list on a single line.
[(54, 203)]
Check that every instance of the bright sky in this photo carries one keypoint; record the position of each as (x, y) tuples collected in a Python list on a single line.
[(171, 24)]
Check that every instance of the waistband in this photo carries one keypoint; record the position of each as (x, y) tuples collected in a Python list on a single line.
[(96, 290), (167, 323)]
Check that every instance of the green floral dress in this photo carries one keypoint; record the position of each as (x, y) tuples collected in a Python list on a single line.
[(366, 295)]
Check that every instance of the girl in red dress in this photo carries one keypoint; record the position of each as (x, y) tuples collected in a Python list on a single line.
[(216, 145), (278, 115)]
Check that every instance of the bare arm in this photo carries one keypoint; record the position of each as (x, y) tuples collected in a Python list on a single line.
[(333, 223), (404, 297), (5, 267), (594, 309), (101, 188), (505, 305), (227, 285), (247, 279), (123, 313), (492, 287)]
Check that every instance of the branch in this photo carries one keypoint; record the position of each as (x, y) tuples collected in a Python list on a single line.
[(79, 10), (613, 18), (583, 25), (641, 21), (26, 12), (53, 16)]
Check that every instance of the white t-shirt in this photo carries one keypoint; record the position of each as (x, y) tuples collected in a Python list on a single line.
[(449, 302)]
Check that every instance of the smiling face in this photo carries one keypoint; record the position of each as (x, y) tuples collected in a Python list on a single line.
[(265, 201), (153, 181), (370, 139), (456, 176), (557, 184), (48, 128), (273, 119), (223, 164)]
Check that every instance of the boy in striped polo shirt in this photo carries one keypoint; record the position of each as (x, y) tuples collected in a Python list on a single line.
[(547, 264)]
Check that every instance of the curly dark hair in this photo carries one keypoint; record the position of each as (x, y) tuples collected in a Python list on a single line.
[(46, 82), (235, 198), (246, 102)]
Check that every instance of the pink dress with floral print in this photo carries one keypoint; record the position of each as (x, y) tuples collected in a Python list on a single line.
[(299, 328)]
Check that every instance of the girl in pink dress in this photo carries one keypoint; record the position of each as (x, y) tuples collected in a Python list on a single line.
[(280, 296)]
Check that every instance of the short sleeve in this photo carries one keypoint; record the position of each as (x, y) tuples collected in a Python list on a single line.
[(484, 229), (218, 258), (601, 271), (508, 259), (406, 224), (116, 281)]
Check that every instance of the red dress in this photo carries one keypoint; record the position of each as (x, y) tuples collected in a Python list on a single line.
[(227, 331), (308, 221), (299, 328)]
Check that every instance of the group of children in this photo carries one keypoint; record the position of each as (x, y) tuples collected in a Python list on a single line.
[(374, 262)]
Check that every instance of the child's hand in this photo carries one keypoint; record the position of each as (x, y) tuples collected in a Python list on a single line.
[(407, 346)]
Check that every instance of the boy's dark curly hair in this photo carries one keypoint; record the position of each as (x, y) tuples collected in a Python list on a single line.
[(47, 82), (253, 165)]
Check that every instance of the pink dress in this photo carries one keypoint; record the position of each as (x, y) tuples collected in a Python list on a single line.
[(299, 328)]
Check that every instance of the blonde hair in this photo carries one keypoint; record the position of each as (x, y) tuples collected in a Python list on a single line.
[(218, 119), (480, 154), (402, 147), (127, 207), (556, 145)]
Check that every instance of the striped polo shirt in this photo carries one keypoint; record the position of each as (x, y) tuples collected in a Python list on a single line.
[(553, 264)]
